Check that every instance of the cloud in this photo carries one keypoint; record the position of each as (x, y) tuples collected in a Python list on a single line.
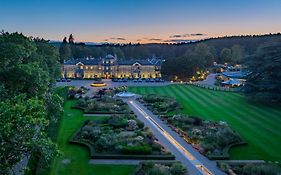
[(120, 39), (187, 35), (155, 39), (179, 41)]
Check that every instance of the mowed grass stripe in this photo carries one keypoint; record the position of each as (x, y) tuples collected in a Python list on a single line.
[(261, 109), (263, 136), (195, 97), (205, 96), (239, 120), (185, 100)]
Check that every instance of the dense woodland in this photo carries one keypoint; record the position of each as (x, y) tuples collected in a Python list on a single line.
[(28, 69)]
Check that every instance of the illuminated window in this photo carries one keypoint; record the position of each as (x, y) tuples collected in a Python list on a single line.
[(81, 67), (106, 62), (106, 68), (86, 67)]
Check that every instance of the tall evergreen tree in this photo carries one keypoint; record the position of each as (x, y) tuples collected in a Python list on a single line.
[(265, 81), (65, 50)]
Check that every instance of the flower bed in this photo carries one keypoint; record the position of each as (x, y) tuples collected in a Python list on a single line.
[(120, 137), (160, 104), (169, 168), (105, 104), (249, 168), (212, 139)]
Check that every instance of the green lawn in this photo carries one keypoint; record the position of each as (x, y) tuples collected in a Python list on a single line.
[(259, 125), (78, 155)]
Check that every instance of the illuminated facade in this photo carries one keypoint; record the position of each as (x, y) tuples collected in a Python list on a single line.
[(111, 67)]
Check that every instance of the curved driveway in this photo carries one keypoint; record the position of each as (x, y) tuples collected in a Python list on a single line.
[(184, 152)]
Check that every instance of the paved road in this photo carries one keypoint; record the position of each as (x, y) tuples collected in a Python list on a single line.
[(110, 84), (123, 162), (183, 151), (210, 80)]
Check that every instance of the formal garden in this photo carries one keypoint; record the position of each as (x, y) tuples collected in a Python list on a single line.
[(103, 102), (160, 168), (249, 168), (211, 138), (120, 137), (257, 123), (160, 104)]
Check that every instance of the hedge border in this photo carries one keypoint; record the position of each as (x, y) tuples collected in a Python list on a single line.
[(94, 155)]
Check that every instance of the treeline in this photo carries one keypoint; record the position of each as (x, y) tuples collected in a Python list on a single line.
[(28, 69), (71, 49), (182, 60)]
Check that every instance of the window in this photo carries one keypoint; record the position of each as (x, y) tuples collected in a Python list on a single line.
[(81, 67), (91, 67), (86, 67)]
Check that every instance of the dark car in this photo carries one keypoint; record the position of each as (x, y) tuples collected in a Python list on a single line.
[(147, 80), (139, 80), (135, 80), (68, 80)]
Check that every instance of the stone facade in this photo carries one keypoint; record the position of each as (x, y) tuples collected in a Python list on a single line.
[(111, 67)]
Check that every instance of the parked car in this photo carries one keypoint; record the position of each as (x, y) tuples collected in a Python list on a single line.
[(147, 80), (68, 80), (114, 79), (152, 80), (139, 80), (135, 80)]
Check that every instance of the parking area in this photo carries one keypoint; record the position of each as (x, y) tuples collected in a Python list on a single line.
[(110, 84)]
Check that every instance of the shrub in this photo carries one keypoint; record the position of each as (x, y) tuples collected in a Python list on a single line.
[(139, 149)]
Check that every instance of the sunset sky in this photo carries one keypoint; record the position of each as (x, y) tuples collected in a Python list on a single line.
[(139, 20)]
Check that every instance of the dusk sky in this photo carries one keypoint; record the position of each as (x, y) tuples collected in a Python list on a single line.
[(139, 20)]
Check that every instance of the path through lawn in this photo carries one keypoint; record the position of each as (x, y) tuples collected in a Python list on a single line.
[(259, 125), (75, 158)]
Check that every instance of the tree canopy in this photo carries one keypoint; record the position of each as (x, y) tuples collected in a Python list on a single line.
[(28, 69), (264, 84)]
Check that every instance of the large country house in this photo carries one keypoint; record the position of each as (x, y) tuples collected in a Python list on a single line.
[(111, 67)]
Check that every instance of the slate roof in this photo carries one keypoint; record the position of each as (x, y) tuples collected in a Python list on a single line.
[(96, 61), (85, 61), (236, 74), (131, 62)]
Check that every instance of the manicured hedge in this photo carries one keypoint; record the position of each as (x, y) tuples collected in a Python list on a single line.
[(225, 151), (95, 155)]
